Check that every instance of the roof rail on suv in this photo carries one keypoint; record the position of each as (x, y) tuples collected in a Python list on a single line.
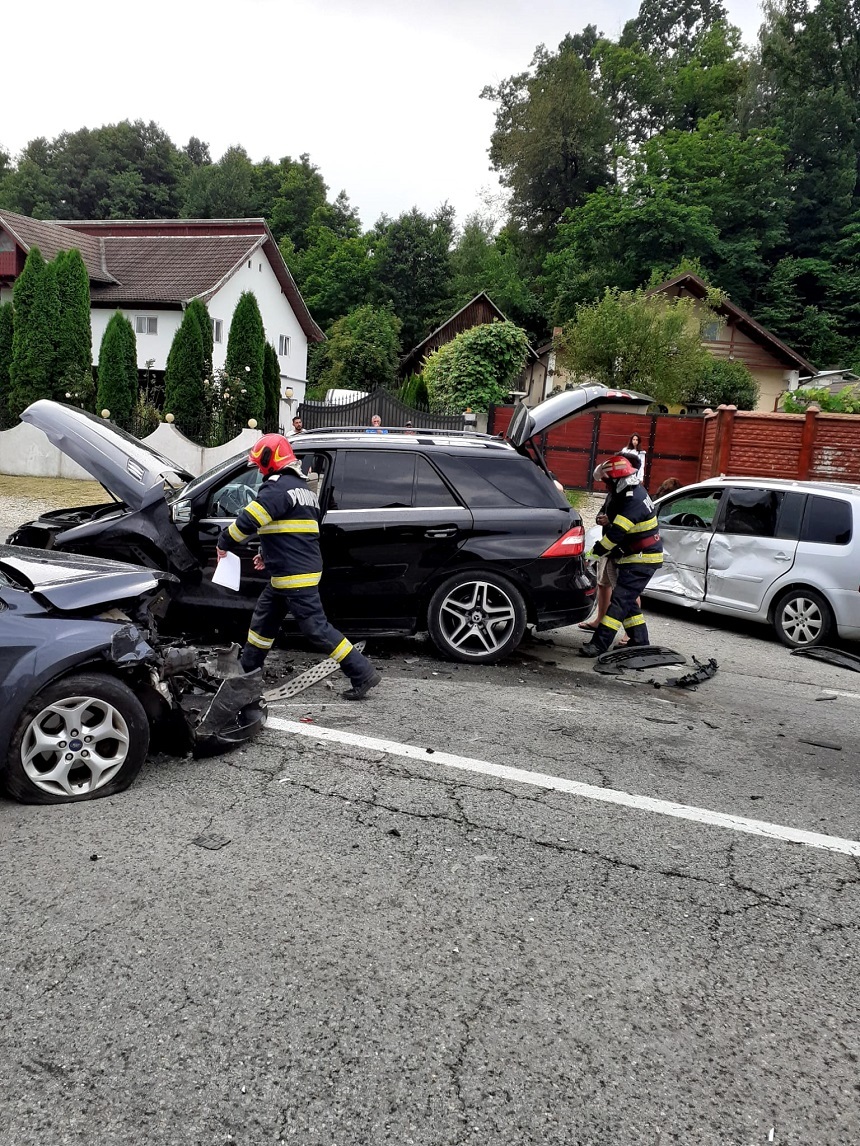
[(411, 431)]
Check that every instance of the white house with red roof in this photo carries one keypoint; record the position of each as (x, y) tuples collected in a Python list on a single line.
[(152, 269)]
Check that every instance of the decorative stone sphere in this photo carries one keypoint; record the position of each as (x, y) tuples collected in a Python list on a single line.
[(168, 418), (105, 413), (252, 423)]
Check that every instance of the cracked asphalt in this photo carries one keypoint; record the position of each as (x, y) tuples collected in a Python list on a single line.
[(390, 951)]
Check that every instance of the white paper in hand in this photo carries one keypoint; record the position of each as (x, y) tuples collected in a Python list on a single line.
[(227, 572)]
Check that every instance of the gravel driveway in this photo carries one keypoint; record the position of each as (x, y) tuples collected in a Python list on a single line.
[(23, 498)]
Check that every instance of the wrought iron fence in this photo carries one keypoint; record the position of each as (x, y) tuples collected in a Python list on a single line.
[(392, 412)]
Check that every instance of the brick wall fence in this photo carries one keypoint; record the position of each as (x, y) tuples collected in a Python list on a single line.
[(809, 447)]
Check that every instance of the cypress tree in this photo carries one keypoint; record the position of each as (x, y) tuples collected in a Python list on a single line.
[(246, 347), (197, 307), (7, 323), (37, 309), (117, 390), (272, 389), (184, 396), (74, 333)]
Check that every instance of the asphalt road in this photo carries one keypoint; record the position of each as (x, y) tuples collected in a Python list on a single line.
[(394, 950)]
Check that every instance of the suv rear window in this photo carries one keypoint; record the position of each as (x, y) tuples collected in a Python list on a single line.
[(498, 482), (827, 521)]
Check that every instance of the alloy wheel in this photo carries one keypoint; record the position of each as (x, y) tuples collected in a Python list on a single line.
[(75, 746), (477, 617), (802, 620)]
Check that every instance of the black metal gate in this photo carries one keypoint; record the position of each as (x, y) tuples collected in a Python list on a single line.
[(394, 414)]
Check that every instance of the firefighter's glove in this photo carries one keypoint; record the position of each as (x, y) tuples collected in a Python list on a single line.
[(592, 556)]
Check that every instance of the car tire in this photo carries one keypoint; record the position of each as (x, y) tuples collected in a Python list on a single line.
[(476, 618), (38, 768), (802, 619)]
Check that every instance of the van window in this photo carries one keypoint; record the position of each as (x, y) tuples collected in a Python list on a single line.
[(693, 509), (827, 521), (751, 512)]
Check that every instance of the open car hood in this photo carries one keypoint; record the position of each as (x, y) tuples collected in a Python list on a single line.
[(528, 423), (126, 467), (70, 581)]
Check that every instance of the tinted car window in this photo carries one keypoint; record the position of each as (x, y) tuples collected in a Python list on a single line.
[(693, 509), (430, 491), (751, 512), (373, 479), (487, 482), (791, 516), (827, 521)]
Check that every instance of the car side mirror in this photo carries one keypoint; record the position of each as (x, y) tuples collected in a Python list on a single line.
[(181, 512)]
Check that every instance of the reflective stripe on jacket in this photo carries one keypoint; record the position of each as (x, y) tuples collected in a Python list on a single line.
[(285, 515), (632, 536)]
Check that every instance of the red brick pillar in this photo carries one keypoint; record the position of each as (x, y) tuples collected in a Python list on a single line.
[(807, 443), (723, 440)]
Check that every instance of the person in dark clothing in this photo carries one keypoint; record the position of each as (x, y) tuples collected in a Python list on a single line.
[(285, 514), (632, 538)]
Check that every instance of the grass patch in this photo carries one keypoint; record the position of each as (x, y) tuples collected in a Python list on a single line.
[(576, 497), (60, 492)]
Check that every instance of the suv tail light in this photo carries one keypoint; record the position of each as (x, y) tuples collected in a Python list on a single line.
[(570, 544)]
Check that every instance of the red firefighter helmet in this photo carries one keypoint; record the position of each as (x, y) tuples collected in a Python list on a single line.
[(271, 454), (617, 467)]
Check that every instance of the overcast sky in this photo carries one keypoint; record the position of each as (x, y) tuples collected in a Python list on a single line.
[(382, 94)]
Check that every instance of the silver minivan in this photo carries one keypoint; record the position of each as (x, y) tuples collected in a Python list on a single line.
[(783, 552)]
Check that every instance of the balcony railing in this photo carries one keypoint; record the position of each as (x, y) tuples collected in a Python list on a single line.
[(8, 264)]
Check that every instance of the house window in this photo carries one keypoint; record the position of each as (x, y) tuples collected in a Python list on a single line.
[(217, 330), (710, 331), (284, 346), (146, 324)]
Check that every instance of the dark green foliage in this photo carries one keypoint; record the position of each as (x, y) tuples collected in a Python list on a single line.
[(7, 324), (117, 372), (412, 267), (845, 401), (34, 356), (272, 388), (413, 392), (362, 351), (246, 348), (552, 138), (478, 368), (723, 383), (302, 193), (184, 394), (197, 308), (74, 333)]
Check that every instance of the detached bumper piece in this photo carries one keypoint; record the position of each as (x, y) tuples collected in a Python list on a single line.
[(830, 656), (221, 705), (237, 712), (637, 657), (702, 672)]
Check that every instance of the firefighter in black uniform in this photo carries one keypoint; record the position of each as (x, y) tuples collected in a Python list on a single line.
[(285, 514), (632, 540)]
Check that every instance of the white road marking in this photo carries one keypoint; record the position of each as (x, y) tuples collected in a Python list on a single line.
[(573, 787)]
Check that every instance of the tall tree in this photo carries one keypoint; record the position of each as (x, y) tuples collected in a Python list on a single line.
[(222, 190), (246, 348), (7, 329), (335, 272), (484, 261), (301, 194), (34, 354), (74, 331), (552, 137), (184, 394), (362, 351), (117, 372), (197, 308), (412, 266), (272, 389)]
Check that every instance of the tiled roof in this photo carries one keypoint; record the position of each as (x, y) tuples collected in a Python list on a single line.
[(169, 268), (51, 238)]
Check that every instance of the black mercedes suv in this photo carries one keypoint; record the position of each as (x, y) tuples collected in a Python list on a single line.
[(465, 536)]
